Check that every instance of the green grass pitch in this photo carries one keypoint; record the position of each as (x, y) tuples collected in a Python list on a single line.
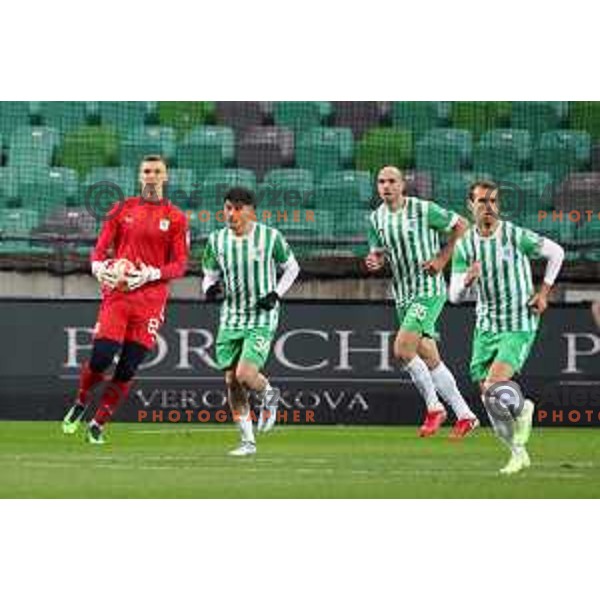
[(186, 461)]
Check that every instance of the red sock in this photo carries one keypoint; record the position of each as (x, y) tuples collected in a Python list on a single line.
[(113, 394), (87, 380)]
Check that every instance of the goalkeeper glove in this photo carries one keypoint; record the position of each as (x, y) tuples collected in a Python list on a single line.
[(269, 301), (215, 293), (104, 274), (143, 275)]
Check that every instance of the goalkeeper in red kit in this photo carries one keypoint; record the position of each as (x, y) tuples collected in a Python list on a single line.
[(152, 234)]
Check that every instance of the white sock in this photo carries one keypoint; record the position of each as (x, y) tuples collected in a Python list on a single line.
[(502, 422), (244, 423), (419, 373), (446, 386)]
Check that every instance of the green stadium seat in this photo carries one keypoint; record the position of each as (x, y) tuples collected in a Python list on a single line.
[(124, 177), (9, 186), (63, 116), (479, 117), (185, 116), (297, 116), (352, 223), (562, 151), (18, 221), (123, 116), (43, 188), (452, 189), (12, 116), (142, 141), (217, 182), (180, 186), (586, 116), (563, 232), (206, 148), (444, 150), (32, 146), (88, 147), (537, 117), (502, 151), (417, 117), (324, 149), (342, 190), (536, 189), (384, 146), (278, 186)]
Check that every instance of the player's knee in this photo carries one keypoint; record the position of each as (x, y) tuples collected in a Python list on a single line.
[(231, 380), (245, 375), (404, 352), (131, 357), (103, 354)]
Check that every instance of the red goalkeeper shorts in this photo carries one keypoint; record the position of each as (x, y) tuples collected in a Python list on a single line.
[(130, 317)]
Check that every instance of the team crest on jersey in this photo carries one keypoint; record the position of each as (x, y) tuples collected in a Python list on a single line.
[(507, 254), (164, 224), (411, 224), (257, 254)]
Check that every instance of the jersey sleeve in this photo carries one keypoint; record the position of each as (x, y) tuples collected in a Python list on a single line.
[(107, 235), (179, 251), (529, 242), (209, 257), (459, 259), (281, 251), (440, 218), (373, 237)]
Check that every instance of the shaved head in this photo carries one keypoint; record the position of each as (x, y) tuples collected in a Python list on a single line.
[(390, 185)]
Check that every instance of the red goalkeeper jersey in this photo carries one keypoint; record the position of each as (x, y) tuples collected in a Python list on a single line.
[(153, 233)]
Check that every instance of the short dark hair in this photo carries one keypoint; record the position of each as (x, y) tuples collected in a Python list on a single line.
[(154, 158), (241, 195), (486, 184)]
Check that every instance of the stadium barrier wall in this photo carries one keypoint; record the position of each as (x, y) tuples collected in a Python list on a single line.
[(332, 360)]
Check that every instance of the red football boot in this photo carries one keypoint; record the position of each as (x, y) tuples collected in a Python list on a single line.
[(433, 421), (463, 427)]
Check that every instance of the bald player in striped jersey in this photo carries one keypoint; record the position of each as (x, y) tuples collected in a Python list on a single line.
[(240, 265), (492, 262), (405, 230)]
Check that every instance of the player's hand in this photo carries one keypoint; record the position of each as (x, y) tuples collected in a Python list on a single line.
[(473, 273), (539, 303), (141, 276), (375, 261), (104, 274), (434, 266), (215, 293), (268, 302)]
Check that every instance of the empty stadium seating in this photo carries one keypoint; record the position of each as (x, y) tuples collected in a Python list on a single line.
[(545, 154)]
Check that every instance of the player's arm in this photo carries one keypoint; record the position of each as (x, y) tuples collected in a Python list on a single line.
[(286, 261), (463, 277), (453, 225), (536, 246), (178, 259), (375, 260), (212, 286), (99, 258)]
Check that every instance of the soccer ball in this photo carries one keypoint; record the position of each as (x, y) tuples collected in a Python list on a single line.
[(122, 267)]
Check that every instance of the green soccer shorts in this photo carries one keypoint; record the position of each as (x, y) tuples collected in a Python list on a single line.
[(511, 347), (252, 345), (421, 315)]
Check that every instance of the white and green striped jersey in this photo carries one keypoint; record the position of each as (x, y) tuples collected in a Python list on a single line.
[(409, 236), (248, 267), (505, 285)]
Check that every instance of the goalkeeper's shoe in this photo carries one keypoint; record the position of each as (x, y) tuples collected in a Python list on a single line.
[(524, 423), (433, 421), (463, 427), (95, 435), (268, 410), (245, 449), (72, 419), (519, 460)]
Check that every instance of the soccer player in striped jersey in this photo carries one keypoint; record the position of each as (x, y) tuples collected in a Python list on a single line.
[(240, 262), (492, 262), (405, 229)]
